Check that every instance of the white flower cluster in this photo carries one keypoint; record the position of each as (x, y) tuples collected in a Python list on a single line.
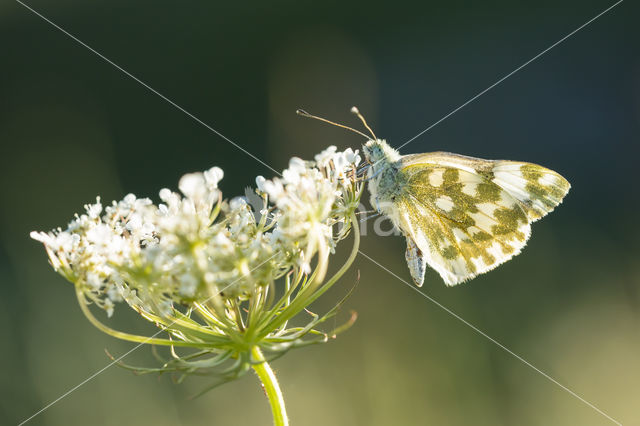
[(134, 250), (311, 198), (195, 246)]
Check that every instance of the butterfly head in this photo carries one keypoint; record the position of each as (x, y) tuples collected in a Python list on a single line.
[(377, 150)]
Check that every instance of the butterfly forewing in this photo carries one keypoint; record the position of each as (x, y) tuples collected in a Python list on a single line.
[(465, 216)]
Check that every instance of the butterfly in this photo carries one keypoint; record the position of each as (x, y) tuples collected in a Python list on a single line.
[(462, 216)]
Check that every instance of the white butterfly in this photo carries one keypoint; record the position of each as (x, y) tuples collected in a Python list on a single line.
[(462, 216)]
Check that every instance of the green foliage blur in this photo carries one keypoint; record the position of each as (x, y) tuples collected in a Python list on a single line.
[(73, 127)]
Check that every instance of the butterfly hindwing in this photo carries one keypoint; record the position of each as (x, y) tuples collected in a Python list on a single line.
[(465, 216)]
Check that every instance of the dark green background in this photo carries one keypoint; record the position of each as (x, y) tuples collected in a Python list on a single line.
[(73, 126)]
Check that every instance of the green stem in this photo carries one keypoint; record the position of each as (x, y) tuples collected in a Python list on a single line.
[(300, 301), (127, 336), (271, 387)]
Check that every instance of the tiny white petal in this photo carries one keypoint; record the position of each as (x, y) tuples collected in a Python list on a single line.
[(260, 180)]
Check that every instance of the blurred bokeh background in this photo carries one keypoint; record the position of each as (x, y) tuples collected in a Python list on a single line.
[(73, 127)]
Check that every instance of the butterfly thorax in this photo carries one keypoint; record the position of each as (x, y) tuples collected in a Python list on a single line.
[(383, 174)]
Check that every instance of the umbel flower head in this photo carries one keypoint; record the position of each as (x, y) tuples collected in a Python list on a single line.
[(212, 274)]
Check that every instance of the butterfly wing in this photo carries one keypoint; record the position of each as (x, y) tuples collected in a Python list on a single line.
[(538, 190), (464, 216)]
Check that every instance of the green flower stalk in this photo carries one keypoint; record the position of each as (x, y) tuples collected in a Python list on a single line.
[(220, 280)]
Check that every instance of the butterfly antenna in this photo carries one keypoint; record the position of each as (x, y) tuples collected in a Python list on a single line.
[(306, 114), (356, 111)]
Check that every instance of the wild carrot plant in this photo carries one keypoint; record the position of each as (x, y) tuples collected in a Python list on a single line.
[(219, 279)]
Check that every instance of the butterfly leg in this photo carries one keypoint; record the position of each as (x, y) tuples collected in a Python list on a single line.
[(374, 175), (364, 219)]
